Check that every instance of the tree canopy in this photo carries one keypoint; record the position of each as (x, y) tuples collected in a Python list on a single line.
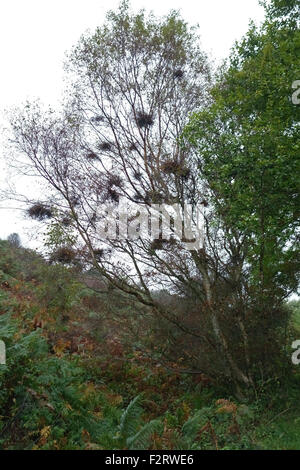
[(248, 145)]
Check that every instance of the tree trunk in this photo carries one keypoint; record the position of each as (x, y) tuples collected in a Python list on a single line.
[(237, 375)]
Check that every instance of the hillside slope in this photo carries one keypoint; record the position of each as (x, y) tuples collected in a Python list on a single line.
[(70, 381)]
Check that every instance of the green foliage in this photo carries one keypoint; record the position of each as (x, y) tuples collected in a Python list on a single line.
[(131, 417), (19, 262), (248, 146), (294, 307), (49, 400), (141, 439), (41, 396), (131, 434), (191, 427), (58, 235), (142, 35), (281, 10), (8, 260), (60, 289), (281, 434)]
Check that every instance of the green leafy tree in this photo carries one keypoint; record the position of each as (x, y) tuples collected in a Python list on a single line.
[(248, 147)]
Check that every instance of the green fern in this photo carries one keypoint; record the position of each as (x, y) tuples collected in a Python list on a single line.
[(193, 424), (131, 435), (130, 418), (141, 439)]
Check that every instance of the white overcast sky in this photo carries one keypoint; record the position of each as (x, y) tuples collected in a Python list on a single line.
[(35, 34)]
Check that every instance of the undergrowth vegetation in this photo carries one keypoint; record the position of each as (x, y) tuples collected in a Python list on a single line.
[(71, 381)]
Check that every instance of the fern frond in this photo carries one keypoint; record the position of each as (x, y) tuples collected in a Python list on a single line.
[(140, 441), (130, 418), (193, 424)]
